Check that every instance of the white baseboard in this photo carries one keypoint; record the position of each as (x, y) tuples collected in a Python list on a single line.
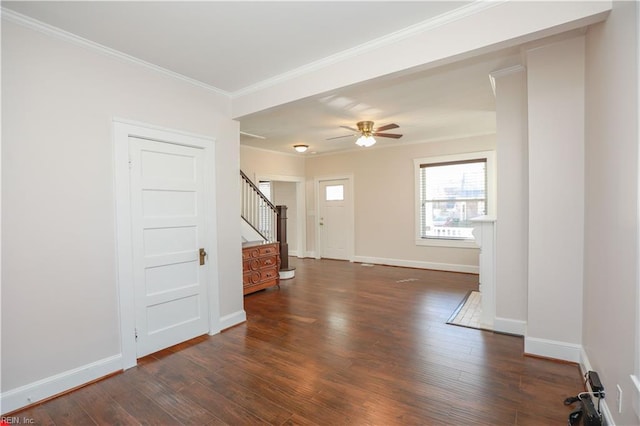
[(31, 393), (230, 320), (585, 365), (450, 267), (510, 326), (606, 413), (310, 254), (552, 349)]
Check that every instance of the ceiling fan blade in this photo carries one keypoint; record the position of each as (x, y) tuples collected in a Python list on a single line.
[(339, 137), (350, 128), (388, 135), (387, 127)]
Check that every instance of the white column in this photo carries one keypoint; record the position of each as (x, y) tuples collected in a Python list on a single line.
[(512, 204), (555, 80), (484, 232)]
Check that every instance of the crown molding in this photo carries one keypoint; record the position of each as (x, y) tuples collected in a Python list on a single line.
[(376, 147), (273, 151), (34, 24), (506, 71), (438, 21), (503, 72)]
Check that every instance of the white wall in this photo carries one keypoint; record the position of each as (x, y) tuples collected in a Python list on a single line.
[(555, 78), (513, 201), (384, 201), (59, 301), (259, 162), (611, 205), (227, 166)]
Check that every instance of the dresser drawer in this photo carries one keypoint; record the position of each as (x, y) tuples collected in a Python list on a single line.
[(251, 278), (260, 265), (250, 253), (251, 265), (266, 250), (269, 274), (267, 261)]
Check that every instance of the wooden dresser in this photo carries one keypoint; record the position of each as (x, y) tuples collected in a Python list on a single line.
[(260, 266)]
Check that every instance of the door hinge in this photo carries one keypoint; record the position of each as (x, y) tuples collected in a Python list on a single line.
[(130, 163), (136, 333)]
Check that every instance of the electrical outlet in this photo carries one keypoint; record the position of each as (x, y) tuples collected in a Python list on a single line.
[(619, 398)]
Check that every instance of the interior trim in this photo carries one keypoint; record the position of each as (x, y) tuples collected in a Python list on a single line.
[(40, 390), (419, 264), (228, 321), (56, 32), (510, 326), (552, 349), (438, 21)]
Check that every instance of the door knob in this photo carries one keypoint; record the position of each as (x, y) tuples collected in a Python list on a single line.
[(203, 254)]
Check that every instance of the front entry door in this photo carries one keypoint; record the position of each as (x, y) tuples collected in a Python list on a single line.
[(334, 219), (167, 220)]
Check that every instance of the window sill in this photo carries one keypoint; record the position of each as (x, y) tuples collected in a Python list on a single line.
[(442, 242)]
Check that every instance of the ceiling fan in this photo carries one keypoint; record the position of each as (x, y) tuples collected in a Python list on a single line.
[(367, 132)]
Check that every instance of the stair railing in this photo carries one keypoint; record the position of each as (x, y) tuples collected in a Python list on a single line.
[(257, 210)]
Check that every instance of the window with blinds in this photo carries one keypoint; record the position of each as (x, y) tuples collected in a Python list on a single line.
[(450, 194)]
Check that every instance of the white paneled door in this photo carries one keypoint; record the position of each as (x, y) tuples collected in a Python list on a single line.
[(334, 219), (168, 243)]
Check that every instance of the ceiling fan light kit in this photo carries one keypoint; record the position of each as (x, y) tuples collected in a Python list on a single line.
[(365, 141), (366, 133), (301, 148), (365, 127)]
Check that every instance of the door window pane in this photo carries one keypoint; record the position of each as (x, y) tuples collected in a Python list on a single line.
[(334, 193)]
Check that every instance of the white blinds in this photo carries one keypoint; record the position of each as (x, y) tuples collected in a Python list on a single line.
[(451, 193)]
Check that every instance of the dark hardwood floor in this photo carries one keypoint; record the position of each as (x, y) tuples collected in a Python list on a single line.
[(340, 344)]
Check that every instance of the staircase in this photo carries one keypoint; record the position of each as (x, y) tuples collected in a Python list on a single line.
[(258, 213), (264, 222)]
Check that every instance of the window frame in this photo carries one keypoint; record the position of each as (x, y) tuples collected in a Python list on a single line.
[(491, 194)]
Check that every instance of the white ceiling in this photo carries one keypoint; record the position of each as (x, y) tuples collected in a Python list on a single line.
[(232, 46), (445, 103)]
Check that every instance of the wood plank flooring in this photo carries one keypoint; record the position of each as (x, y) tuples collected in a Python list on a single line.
[(340, 344)]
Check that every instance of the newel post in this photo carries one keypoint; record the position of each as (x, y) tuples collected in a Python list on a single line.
[(281, 235), (281, 230)]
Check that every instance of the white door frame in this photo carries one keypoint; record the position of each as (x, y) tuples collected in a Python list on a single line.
[(301, 217), (122, 130), (351, 226)]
